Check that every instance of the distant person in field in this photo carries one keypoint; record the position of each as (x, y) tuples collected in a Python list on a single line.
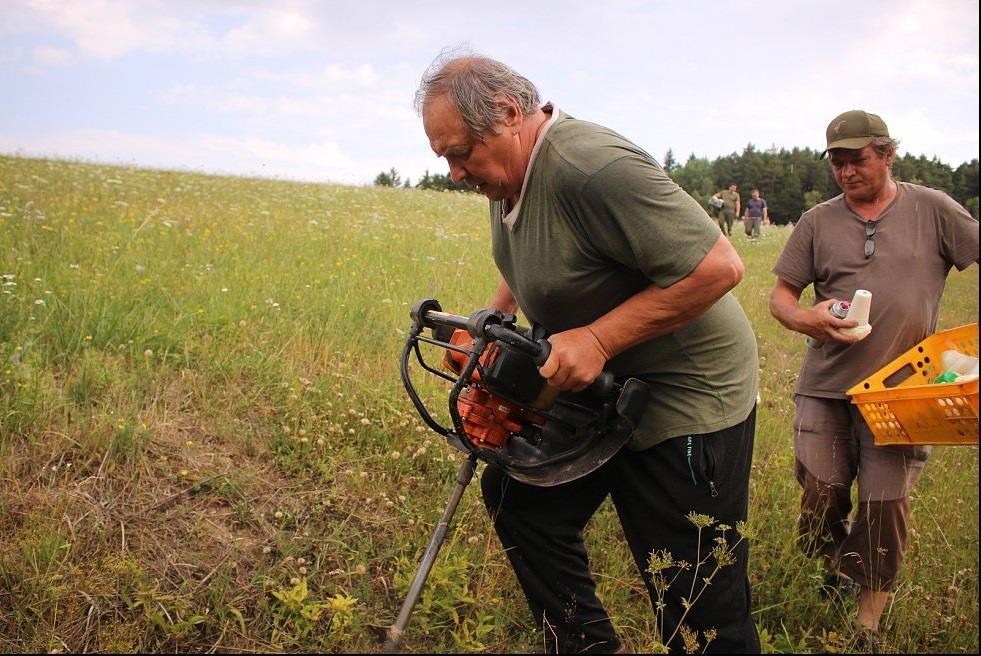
[(897, 240), (755, 216), (730, 208), (628, 273)]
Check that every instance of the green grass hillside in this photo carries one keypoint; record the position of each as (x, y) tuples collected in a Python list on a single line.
[(205, 444)]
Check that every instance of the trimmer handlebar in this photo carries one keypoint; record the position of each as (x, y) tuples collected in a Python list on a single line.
[(493, 325), (489, 324)]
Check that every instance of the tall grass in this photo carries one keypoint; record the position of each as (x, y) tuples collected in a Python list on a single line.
[(204, 442)]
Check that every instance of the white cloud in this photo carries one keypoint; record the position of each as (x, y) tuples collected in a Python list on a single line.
[(108, 29), (268, 32), (289, 80), (103, 28), (47, 56), (322, 160), (11, 56), (920, 41), (919, 133), (346, 107), (328, 77)]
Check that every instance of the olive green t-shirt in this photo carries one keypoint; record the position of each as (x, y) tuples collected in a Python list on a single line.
[(597, 222), (729, 199), (918, 238)]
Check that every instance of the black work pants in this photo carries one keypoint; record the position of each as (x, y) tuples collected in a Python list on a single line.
[(653, 492)]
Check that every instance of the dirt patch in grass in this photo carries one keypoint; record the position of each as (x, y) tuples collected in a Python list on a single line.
[(166, 537)]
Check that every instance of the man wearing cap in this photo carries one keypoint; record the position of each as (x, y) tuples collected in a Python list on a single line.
[(898, 241)]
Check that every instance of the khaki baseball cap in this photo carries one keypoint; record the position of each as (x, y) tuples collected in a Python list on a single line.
[(853, 130)]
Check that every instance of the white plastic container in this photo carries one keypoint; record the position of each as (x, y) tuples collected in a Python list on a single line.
[(958, 362), (859, 311)]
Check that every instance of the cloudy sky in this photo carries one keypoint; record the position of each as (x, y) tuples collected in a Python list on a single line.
[(322, 89)]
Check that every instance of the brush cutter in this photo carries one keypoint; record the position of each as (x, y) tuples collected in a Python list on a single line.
[(505, 414)]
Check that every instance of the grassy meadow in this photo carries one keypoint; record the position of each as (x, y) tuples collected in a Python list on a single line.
[(205, 445)]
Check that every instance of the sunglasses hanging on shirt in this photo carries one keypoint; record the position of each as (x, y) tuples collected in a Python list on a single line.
[(870, 227)]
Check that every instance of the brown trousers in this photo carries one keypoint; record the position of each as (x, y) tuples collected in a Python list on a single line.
[(834, 447)]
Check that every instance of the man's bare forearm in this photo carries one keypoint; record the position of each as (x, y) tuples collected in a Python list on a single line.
[(785, 305), (503, 299), (657, 311)]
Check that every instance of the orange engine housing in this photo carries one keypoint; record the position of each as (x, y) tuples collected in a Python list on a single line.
[(487, 419)]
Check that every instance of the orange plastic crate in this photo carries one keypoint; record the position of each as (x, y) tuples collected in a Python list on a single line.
[(913, 411)]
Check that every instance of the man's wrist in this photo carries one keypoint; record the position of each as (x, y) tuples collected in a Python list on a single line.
[(601, 347)]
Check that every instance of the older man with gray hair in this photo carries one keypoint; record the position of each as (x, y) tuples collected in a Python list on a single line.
[(627, 273)]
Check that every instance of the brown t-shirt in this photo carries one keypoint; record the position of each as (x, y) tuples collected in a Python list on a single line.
[(918, 238)]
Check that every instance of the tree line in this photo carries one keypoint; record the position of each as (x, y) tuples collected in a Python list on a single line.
[(791, 181), (437, 181)]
